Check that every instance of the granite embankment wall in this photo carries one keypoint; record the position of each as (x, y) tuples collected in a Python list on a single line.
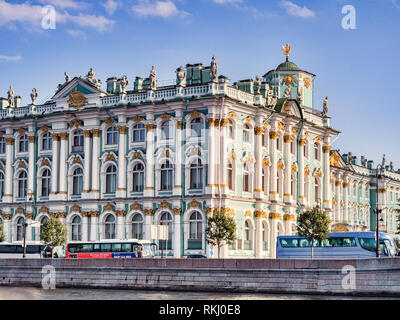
[(370, 277)]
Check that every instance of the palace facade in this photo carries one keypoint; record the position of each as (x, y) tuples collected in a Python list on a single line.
[(110, 164)]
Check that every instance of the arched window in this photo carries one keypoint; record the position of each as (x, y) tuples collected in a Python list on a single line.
[(112, 136), (46, 183), (23, 143), (247, 235), (263, 179), (293, 186), (196, 125), (305, 151), (1, 184), (138, 133), (76, 229), (316, 151), (230, 175), (166, 133), (42, 221), (109, 227), (230, 130), (77, 181), (166, 220), (195, 231), (22, 184), (138, 178), (47, 142), (20, 228), (196, 175), (137, 226), (166, 176), (2, 145), (246, 133), (111, 179), (264, 236), (246, 178), (78, 141), (317, 192)]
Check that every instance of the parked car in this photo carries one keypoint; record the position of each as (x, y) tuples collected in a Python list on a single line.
[(196, 256)]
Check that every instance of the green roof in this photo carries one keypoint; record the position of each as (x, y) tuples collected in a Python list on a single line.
[(288, 66)]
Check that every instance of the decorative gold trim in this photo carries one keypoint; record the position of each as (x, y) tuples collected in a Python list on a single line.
[(87, 133), (137, 119), (96, 133), (273, 135), (109, 121), (64, 136), (165, 204), (260, 214), (194, 204), (122, 129), (275, 216), (289, 217), (248, 214), (326, 149), (258, 131), (150, 126), (9, 141)]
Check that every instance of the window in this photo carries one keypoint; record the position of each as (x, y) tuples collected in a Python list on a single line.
[(42, 221), (46, 183), (112, 136), (196, 125), (111, 179), (247, 235), (77, 181), (78, 141), (246, 178), (138, 178), (264, 237), (137, 227), (22, 184), (1, 184), (166, 176), (196, 175), (47, 142), (293, 186), (293, 146), (166, 220), (2, 145), (230, 130), (138, 133), (195, 226), (76, 228), (166, 130), (316, 152), (316, 191), (246, 133), (230, 175), (305, 150), (109, 227), (23, 143), (20, 229)]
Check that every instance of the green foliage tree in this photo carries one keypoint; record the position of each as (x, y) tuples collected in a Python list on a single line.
[(2, 236), (220, 228), (313, 224), (54, 233)]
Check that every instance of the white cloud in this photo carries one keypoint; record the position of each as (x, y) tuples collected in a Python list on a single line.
[(76, 33), (10, 58), (295, 10), (227, 1), (111, 6), (99, 23), (164, 9), (64, 4), (22, 13)]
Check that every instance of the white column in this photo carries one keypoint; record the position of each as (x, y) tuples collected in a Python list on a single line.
[(95, 164), (178, 163), (121, 191), (9, 170), (273, 135), (63, 166), (93, 226), (224, 156), (6, 228), (85, 227), (301, 171), (338, 198), (55, 164), (273, 235), (258, 191), (287, 192), (149, 180), (176, 242), (31, 176), (147, 227), (28, 220), (121, 225), (346, 199), (87, 163), (258, 240), (211, 155), (327, 177)]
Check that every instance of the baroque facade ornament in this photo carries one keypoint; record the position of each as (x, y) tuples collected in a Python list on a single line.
[(76, 99)]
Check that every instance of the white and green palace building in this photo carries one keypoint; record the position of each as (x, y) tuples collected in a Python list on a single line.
[(111, 161)]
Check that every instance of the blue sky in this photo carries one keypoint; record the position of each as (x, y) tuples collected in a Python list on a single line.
[(356, 69)]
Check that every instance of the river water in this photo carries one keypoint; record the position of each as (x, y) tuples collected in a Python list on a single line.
[(22, 293)]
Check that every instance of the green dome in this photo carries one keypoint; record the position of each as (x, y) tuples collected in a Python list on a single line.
[(288, 66)]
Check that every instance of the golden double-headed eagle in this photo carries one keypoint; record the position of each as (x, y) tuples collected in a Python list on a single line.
[(286, 50)]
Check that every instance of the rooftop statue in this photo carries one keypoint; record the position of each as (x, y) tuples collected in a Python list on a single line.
[(214, 70), (11, 102), (181, 75), (383, 161), (153, 78), (67, 77), (300, 97), (124, 84), (391, 167), (288, 93), (271, 99), (325, 107), (257, 85), (34, 96), (286, 50), (91, 78)]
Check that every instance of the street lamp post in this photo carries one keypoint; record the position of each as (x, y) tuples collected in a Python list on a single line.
[(377, 211)]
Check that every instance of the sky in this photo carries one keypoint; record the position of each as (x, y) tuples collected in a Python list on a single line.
[(355, 68)]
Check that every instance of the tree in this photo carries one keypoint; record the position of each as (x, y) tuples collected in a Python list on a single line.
[(220, 228), (54, 233), (2, 237), (313, 224)]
